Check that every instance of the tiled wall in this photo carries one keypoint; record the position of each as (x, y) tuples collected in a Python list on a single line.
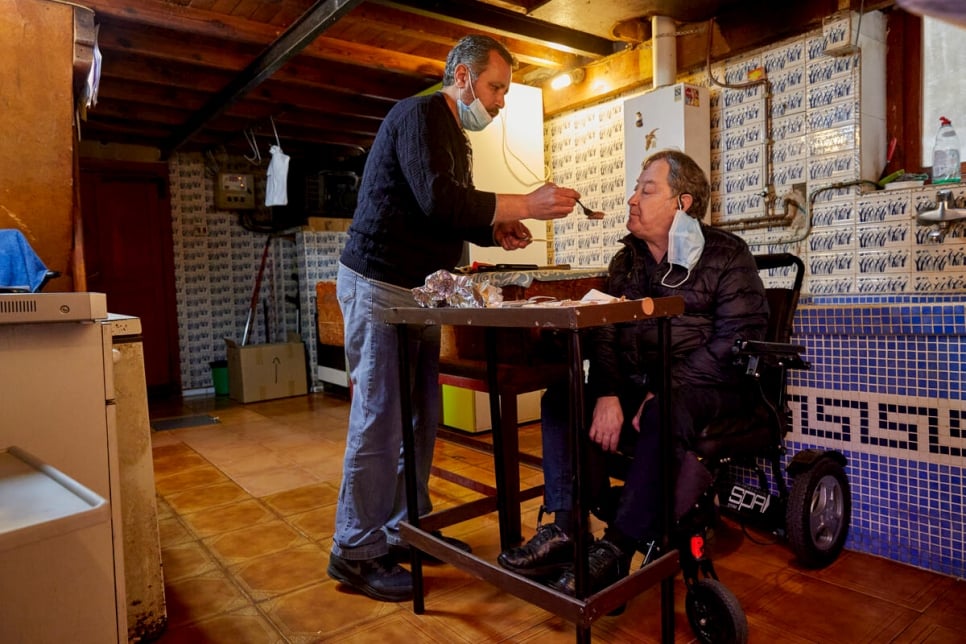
[(216, 263), (882, 316)]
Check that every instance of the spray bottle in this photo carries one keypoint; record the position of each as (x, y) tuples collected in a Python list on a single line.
[(945, 154)]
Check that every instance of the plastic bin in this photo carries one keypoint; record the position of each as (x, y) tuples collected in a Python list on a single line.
[(219, 377)]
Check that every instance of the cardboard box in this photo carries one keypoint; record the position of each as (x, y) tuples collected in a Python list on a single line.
[(265, 371), (322, 224)]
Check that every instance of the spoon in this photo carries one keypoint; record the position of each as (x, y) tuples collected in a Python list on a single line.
[(590, 214)]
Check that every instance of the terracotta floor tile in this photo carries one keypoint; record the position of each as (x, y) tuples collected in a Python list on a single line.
[(227, 518), (245, 626), (282, 572), (257, 459), (845, 615), (907, 586), (317, 524), (302, 499), (186, 559), (319, 611), (174, 458), (203, 498), (172, 531), (320, 454), (276, 479), (198, 598), (388, 629), (496, 615), (233, 451), (254, 541), (950, 609), (201, 476)]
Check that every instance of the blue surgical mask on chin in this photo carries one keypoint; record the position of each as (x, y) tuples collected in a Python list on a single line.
[(685, 245), (474, 116)]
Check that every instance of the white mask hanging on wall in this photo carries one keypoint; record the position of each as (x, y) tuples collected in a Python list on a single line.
[(276, 187)]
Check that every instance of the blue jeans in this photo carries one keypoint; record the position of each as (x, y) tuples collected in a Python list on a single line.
[(372, 498)]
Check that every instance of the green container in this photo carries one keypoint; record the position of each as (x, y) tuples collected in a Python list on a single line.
[(219, 377)]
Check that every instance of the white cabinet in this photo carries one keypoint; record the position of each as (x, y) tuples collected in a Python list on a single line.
[(57, 395)]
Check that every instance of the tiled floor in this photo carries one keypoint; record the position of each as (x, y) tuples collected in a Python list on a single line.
[(246, 512)]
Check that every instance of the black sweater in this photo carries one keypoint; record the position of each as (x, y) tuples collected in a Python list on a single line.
[(417, 203)]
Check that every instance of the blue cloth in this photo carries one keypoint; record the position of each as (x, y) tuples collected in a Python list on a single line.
[(20, 268)]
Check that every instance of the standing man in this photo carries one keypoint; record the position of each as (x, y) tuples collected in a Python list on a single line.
[(417, 207), (667, 253)]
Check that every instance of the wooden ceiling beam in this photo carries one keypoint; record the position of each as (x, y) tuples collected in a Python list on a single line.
[(204, 26), (420, 28), (316, 20), (205, 54), (737, 31), (475, 15)]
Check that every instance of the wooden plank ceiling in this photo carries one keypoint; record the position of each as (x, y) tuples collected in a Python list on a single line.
[(199, 74)]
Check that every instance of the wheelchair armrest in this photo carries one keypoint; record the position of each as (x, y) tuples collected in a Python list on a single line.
[(760, 347), (781, 354)]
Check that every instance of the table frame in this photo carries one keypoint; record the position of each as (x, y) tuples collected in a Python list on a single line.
[(583, 609)]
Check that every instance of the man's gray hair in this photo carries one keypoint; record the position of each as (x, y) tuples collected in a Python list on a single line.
[(685, 177), (474, 52)]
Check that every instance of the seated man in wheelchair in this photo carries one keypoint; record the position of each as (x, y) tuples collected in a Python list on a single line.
[(667, 253)]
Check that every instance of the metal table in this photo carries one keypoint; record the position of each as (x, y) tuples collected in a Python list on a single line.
[(583, 609)]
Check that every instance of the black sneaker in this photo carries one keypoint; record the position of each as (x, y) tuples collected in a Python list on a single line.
[(548, 552), (380, 578), (400, 551), (606, 564)]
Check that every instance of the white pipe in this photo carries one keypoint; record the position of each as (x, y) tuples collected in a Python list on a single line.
[(664, 61)]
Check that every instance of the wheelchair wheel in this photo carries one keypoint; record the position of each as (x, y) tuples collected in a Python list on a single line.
[(714, 613), (818, 513)]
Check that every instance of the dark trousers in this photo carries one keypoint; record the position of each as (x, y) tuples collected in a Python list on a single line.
[(638, 508)]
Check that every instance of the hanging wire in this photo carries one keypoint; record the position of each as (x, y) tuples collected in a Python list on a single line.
[(256, 157), (277, 142), (507, 150)]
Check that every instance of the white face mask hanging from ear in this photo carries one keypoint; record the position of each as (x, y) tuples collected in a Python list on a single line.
[(474, 116), (685, 244)]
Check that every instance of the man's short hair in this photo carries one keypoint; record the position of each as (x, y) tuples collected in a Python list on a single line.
[(474, 52)]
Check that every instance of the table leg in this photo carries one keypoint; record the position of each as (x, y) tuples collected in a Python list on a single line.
[(506, 446), (667, 475), (578, 440), (409, 460)]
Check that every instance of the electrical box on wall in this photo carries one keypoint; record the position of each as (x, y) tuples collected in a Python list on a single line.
[(234, 191), (672, 117)]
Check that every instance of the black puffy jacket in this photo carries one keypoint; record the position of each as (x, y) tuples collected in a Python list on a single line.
[(724, 300)]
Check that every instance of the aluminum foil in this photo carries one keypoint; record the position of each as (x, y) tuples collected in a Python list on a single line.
[(443, 288)]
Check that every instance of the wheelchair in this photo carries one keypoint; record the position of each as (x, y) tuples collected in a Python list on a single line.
[(723, 473)]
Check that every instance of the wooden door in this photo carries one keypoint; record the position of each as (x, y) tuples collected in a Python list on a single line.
[(129, 255)]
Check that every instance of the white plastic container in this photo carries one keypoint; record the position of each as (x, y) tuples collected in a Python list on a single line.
[(56, 557), (945, 154)]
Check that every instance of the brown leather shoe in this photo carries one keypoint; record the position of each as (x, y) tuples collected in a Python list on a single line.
[(547, 553)]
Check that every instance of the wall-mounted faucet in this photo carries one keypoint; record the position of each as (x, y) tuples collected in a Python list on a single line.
[(940, 215)]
